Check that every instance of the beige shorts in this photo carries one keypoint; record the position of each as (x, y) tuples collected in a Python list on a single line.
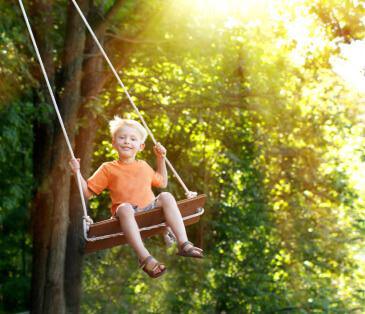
[(150, 206)]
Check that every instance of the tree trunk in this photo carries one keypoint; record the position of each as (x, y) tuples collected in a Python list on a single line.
[(92, 71), (94, 79), (57, 267), (73, 254), (43, 135), (54, 301), (50, 213)]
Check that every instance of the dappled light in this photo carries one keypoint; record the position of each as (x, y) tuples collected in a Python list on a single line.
[(260, 105)]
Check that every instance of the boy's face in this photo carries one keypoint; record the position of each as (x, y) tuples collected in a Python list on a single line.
[(128, 142)]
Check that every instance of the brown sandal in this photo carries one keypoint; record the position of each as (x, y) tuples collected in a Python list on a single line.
[(152, 272), (192, 252)]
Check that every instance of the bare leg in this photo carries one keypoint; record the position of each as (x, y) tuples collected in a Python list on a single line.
[(173, 216), (175, 221), (125, 213)]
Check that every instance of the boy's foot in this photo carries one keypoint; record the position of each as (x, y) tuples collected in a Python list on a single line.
[(152, 267), (188, 249)]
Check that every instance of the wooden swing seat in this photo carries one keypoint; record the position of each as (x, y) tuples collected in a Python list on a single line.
[(151, 218), (110, 230)]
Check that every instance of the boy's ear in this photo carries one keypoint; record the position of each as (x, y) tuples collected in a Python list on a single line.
[(143, 145)]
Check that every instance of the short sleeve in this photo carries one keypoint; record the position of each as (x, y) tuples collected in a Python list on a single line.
[(157, 180), (99, 180)]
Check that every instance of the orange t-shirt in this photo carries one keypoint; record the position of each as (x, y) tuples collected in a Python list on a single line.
[(127, 183)]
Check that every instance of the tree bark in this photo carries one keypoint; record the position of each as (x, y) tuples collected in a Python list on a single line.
[(50, 213), (94, 80), (43, 135), (72, 62), (54, 301), (90, 87)]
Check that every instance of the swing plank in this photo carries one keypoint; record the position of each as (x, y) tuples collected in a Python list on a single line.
[(144, 219)]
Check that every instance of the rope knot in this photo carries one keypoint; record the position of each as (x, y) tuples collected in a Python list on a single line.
[(191, 194), (88, 220)]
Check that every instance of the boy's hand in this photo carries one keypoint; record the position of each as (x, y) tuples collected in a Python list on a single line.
[(75, 165), (159, 150)]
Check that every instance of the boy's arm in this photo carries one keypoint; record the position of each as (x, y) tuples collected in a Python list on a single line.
[(75, 167), (160, 152)]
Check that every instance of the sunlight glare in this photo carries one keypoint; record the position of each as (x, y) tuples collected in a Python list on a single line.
[(351, 65), (228, 8)]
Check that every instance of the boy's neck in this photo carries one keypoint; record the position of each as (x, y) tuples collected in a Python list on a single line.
[(127, 160)]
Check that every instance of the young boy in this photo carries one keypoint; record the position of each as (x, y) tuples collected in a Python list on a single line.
[(129, 182)]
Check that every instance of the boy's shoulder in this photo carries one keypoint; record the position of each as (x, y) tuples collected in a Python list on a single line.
[(108, 165)]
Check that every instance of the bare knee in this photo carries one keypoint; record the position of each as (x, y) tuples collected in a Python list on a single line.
[(166, 197), (124, 210)]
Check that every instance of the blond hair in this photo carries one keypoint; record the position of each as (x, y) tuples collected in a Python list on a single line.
[(118, 123)]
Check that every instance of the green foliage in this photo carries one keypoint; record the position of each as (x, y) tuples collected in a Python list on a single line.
[(16, 181), (14, 71), (252, 115)]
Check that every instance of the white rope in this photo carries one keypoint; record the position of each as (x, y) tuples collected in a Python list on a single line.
[(188, 193), (86, 219), (200, 211), (54, 104)]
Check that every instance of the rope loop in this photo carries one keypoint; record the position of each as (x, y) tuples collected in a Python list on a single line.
[(191, 194), (88, 220)]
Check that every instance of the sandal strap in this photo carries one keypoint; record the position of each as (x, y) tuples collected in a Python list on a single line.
[(185, 244), (189, 251), (155, 266), (195, 250), (145, 261), (158, 266)]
